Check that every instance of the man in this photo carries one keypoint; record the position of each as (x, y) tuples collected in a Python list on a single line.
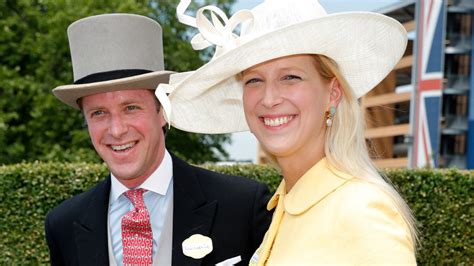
[(153, 208)]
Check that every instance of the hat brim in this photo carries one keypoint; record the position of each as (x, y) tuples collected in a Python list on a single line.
[(366, 46), (69, 94)]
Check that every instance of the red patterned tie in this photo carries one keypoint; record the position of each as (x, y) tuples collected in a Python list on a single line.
[(137, 238)]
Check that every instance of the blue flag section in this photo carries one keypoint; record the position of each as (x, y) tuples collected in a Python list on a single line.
[(428, 83), (470, 126)]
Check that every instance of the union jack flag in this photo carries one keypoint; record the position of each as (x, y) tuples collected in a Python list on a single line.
[(428, 83)]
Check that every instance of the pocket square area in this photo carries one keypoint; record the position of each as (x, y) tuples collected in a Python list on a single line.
[(230, 262)]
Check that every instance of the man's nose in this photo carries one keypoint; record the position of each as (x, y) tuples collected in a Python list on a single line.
[(117, 126)]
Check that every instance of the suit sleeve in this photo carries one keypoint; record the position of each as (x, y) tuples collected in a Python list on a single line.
[(261, 216), (54, 253), (374, 230)]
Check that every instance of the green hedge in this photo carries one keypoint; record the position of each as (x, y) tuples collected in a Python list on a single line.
[(441, 200)]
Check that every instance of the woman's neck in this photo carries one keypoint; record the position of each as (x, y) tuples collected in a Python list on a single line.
[(293, 168)]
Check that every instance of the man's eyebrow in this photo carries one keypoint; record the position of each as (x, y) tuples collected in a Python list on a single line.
[(124, 103), (93, 108), (131, 101)]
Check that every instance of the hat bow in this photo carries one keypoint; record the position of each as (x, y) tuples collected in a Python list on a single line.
[(218, 32)]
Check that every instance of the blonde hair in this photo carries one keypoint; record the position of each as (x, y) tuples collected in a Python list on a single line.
[(346, 148)]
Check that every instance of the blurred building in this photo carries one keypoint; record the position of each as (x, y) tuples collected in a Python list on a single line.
[(422, 113)]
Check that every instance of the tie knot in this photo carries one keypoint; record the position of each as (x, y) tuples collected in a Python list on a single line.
[(136, 196)]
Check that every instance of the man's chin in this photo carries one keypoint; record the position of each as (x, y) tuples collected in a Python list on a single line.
[(123, 172)]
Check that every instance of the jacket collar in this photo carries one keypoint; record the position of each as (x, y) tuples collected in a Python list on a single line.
[(192, 213), (316, 184), (91, 229)]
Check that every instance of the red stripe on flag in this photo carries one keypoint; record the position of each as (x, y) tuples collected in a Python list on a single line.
[(425, 146), (430, 85), (430, 8)]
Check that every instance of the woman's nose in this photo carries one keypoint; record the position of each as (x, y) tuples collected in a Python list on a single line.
[(271, 96)]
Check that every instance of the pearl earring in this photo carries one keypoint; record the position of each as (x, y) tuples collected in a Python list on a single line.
[(330, 115)]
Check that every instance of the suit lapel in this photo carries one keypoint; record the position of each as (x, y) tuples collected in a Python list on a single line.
[(192, 213), (90, 230)]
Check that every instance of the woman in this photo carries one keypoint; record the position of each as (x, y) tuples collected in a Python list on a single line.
[(297, 73)]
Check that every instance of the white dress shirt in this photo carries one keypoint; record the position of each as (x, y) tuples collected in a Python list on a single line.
[(158, 201)]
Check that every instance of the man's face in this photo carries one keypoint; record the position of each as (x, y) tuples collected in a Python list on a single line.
[(126, 131)]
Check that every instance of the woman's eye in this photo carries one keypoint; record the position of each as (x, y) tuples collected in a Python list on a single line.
[(291, 77), (252, 81)]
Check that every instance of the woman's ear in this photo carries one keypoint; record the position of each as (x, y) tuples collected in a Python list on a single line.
[(336, 92)]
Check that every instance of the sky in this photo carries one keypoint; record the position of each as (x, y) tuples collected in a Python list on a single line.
[(244, 146), (330, 5)]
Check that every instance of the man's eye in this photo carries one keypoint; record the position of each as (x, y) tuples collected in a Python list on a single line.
[(290, 77), (132, 107), (97, 113)]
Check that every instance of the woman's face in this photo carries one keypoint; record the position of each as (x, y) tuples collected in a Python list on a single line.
[(285, 101)]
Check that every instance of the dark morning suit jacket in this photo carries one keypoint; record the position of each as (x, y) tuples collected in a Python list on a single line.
[(230, 210)]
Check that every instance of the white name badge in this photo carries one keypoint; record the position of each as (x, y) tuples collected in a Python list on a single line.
[(197, 246)]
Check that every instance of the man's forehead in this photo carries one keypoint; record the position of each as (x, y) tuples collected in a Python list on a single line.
[(118, 97)]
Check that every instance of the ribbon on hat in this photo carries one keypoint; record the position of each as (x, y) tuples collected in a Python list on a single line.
[(213, 33), (160, 93), (164, 89)]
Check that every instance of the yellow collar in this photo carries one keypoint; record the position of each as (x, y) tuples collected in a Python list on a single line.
[(317, 183)]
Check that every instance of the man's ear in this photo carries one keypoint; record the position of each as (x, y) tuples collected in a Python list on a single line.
[(161, 113), (336, 92)]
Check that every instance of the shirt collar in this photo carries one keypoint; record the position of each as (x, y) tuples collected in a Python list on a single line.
[(157, 182)]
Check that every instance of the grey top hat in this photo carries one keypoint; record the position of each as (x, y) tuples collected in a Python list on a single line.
[(113, 52)]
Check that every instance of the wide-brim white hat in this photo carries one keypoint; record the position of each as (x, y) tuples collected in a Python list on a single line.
[(112, 52), (366, 46)]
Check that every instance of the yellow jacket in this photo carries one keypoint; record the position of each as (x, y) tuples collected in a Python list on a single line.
[(330, 217)]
